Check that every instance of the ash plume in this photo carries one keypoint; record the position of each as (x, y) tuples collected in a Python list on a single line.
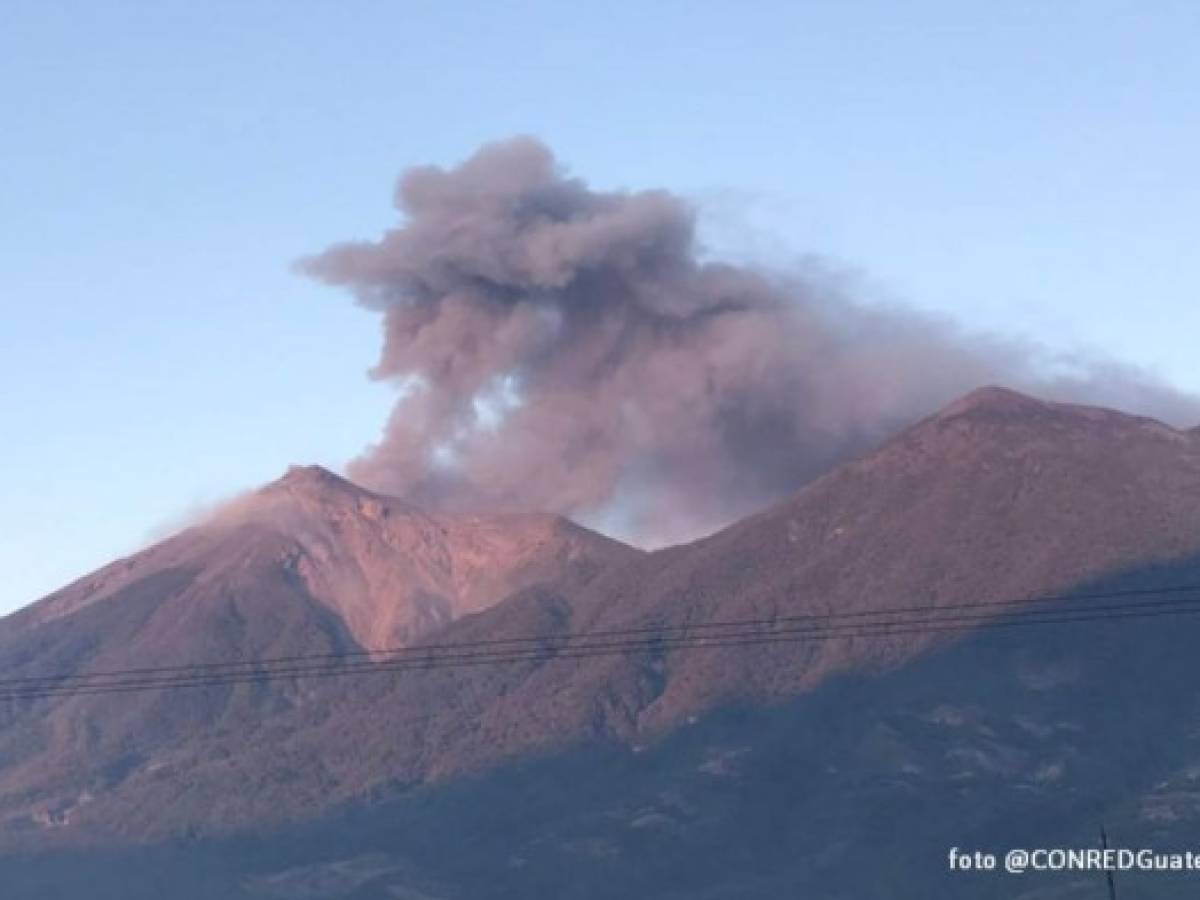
[(565, 349)]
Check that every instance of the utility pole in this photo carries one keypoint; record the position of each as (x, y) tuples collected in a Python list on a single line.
[(1108, 872)]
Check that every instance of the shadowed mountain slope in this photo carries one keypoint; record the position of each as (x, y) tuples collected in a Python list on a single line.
[(857, 788)]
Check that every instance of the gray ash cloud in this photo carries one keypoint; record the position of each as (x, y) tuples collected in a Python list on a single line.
[(565, 349)]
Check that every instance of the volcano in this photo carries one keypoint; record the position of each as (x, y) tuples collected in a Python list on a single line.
[(740, 770)]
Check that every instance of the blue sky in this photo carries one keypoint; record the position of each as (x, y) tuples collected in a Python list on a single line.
[(1024, 167)]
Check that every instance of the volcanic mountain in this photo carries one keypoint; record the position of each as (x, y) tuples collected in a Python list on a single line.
[(310, 564), (386, 571), (557, 763)]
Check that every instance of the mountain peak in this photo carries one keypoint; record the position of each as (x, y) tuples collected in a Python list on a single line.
[(311, 475), (305, 492), (994, 399), (998, 405), (312, 479)]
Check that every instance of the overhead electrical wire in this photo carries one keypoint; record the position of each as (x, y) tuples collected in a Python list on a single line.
[(657, 638), (655, 629)]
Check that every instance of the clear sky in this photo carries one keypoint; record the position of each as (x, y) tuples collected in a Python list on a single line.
[(1025, 167)]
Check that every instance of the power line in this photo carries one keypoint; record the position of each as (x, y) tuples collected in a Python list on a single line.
[(655, 630), (421, 657), (732, 634)]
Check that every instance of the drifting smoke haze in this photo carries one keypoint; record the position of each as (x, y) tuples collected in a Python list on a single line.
[(564, 349)]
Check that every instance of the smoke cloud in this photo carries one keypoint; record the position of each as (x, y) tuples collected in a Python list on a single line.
[(560, 348)]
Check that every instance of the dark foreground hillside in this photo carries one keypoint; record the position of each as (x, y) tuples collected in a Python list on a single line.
[(840, 767), (1013, 738)]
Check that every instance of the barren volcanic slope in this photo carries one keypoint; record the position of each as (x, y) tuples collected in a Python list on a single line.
[(310, 564), (388, 570), (998, 498)]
